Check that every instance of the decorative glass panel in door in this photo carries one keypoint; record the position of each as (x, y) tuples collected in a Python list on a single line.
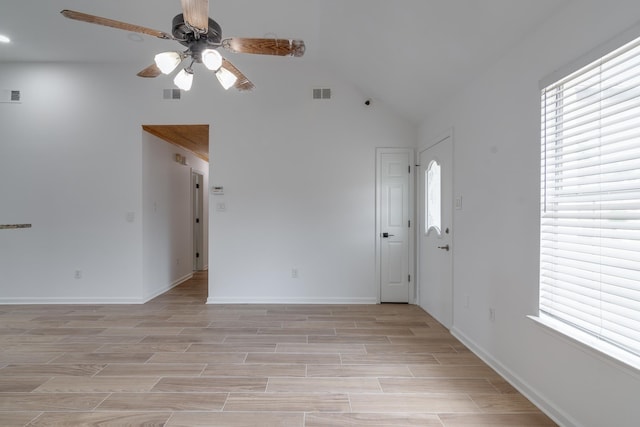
[(433, 196)]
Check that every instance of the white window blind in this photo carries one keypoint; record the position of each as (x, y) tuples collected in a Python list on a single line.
[(590, 199)]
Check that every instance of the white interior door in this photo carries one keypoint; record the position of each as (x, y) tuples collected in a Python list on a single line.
[(198, 220), (394, 213), (435, 189)]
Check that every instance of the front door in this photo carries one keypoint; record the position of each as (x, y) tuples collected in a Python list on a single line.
[(394, 215), (435, 189)]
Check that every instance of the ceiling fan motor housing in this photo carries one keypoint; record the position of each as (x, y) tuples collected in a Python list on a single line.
[(194, 41)]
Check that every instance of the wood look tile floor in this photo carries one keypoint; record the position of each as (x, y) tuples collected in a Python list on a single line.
[(176, 361)]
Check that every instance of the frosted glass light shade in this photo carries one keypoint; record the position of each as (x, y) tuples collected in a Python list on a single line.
[(167, 61), (226, 78), (211, 59), (184, 79)]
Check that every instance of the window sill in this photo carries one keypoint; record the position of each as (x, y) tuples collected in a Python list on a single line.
[(591, 345)]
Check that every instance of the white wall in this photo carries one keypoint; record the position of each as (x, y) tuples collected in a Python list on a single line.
[(298, 176), (299, 190), (70, 165), (496, 234), (167, 214)]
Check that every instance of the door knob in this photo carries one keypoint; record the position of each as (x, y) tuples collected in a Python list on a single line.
[(445, 247), (386, 235)]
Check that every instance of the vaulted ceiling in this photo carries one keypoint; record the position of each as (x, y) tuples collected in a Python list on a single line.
[(410, 54)]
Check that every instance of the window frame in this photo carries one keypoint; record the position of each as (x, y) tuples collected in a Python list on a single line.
[(586, 341)]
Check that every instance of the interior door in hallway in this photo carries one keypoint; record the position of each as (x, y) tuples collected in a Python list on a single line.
[(394, 214), (197, 185), (435, 259)]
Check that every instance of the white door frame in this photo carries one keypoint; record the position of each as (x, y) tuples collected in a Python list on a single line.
[(418, 229), (411, 235), (199, 263)]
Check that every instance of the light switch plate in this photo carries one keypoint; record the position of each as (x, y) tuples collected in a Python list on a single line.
[(459, 203)]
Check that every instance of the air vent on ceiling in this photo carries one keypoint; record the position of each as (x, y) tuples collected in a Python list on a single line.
[(322, 93), (171, 94), (10, 96)]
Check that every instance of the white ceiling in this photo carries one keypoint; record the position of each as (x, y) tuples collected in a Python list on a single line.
[(410, 54)]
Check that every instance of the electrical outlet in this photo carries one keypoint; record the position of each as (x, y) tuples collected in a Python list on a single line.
[(77, 274), (294, 273)]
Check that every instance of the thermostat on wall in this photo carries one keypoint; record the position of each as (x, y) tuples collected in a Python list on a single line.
[(217, 191)]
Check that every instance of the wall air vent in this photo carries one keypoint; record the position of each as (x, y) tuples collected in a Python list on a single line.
[(10, 96), (171, 94), (322, 93)]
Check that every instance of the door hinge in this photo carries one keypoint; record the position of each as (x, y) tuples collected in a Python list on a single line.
[(197, 220), (197, 254), (197, 185), (409, 223), (409, 278), (409, 168)]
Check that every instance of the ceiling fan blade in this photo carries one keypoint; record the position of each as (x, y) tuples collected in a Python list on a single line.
[(92, 19), (243, 82), (196, 14), (280, 47), (150, 72)]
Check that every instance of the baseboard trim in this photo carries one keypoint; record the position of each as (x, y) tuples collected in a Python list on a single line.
[(557, 415), (313, 301), (168, 288), (91, 301), (69, 301)]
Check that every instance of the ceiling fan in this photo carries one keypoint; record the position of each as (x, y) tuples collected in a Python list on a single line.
[(202, 37)]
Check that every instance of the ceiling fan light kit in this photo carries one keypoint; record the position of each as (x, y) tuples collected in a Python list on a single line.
[(184, 79), (212, 59), (202, 37), (226, 78), (168, 61)]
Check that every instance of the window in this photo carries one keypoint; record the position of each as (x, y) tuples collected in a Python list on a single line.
[(433, 205), (590, 201)]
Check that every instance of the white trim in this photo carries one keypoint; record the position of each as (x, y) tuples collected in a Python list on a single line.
[(193, 214), (590, 345), (168, 288), (552, 411), (413, 289), (91, 301), (284, 300), (447, 134), (69, 301), (593, 55)]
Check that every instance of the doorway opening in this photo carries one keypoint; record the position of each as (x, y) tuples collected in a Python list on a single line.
[(175, 174)]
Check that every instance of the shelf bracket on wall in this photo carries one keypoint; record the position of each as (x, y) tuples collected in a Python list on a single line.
[(14, 226)]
